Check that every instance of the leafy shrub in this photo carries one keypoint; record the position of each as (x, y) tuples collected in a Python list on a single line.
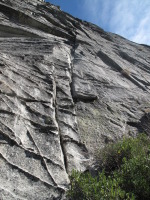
[(125, 174), (86, 187), (134, 173), (111, 157)]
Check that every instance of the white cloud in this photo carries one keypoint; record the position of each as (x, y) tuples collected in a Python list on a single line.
[(129, 18), (142, 34)]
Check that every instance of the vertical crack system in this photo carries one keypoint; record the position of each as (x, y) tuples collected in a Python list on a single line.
[(73, 154), (72, 67), (56, 118), (56, 108)]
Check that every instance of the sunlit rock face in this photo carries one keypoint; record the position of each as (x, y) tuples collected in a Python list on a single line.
[(66, 89)]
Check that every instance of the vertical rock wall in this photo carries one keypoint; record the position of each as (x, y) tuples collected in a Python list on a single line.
[(38, 125), (65, 86)]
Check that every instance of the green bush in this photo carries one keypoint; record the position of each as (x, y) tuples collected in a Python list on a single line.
[(111, 157), (134, 173), (124, 173), (86, 187)]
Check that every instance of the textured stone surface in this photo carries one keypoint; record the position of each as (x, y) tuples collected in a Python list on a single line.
[(65, 86)]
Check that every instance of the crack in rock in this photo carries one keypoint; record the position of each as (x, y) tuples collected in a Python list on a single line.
[(67, 87)]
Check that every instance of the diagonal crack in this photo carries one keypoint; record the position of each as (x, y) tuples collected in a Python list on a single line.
[(11, 193), (44, 160), (5, 139), (28, 174)]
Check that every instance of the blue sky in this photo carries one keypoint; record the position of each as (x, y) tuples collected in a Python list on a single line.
[(128, 18)]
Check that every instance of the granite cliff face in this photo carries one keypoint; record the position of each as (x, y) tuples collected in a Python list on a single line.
[(66, 88)]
